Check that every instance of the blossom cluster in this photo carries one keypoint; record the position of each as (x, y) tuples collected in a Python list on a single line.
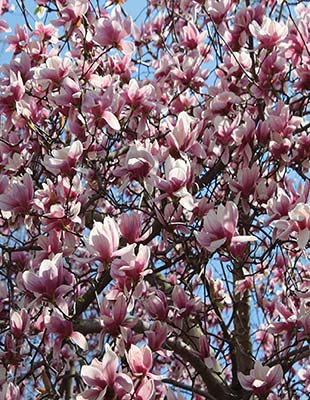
[(155, 201)]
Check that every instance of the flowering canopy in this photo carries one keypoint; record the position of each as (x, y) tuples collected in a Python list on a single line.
[(155, 200)]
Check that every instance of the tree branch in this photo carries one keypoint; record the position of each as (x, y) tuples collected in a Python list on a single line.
[(216, 387)]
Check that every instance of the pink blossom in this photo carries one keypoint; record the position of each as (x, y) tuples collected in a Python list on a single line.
[(20, 198), (10, 392), (138, 97), (131, 266), (140, 361), (65, 159), (59, 218), (111, 32), (53, 71), (145, 391), (103, 376), (113, 314), (130, 226), (63, 329), (71, 12), (279, 206), (289, 322), (157, 335), (301, 214), (243, 285), (156, 305), (104, 239), (185, 305), (221, 227), (184, 138), (45, 32), (100, 107), (270, 33), (223, 102), (218, 9), (261, 379), (49, 280), (246, 180), (12, 93), (191, 37), (69, 94), (178, 175), (4, 27), (304, 375), (138, 163), (19, 322), (18, 41)]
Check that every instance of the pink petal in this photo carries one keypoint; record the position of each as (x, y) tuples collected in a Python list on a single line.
[(245, 381), (124, 381), (80, 340), (111, 120), (91, 394), (274, 375), (146, 391), (32, 282), (92, 376)]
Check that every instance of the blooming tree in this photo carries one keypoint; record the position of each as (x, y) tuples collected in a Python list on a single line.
[(155, 200)]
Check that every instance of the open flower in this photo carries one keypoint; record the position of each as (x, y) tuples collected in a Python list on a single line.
[(103, 378), (131, 266), (104, 239), (48, 282), (270, 33), (64, 160), (301, 214), (261, 379), (63, 329), (20, 198), (221, 227)]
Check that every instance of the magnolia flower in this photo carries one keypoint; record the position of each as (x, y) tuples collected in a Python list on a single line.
[(301, 214), (19, 322), (63, 329), (131, 266), (157, 335), (130, 226), (178, 174), (64, 160), (103, 377), (112, 33), (270, 33), (181, 300), (140, 361), (191, 38), (20, 198), (100, 107), (104, 239), (145, 391), (113, 314), (10, 392), (221, 227), (138, 163), (157, 306), (261, 379), (49, 280), (183, 138)]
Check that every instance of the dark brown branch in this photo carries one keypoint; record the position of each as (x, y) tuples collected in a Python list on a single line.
[(241, 317), (290, 358), (84, 301), (189, 388), (216, 387)]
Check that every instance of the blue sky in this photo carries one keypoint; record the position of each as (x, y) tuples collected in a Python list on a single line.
[(132, 7)]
